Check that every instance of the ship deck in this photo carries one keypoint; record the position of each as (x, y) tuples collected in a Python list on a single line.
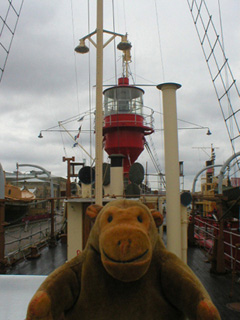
[(218, 286)]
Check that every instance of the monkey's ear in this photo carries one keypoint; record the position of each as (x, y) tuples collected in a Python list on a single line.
[(158, 217), (93, 210)]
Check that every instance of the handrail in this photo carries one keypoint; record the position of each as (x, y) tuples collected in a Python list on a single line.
[(38, 232), (204, 231)]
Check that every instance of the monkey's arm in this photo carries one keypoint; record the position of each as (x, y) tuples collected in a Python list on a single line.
[(184, 290), (57, 293)]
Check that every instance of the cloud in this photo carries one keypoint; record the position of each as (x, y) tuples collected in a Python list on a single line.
[(46, 82)]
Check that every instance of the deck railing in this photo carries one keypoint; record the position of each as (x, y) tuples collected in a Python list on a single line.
[(21, 238), (207, 230)]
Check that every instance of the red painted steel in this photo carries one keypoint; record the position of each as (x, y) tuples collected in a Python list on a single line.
[(124, 133)]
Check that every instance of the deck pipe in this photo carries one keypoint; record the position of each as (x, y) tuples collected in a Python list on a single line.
[(2, 218), (174, 242)]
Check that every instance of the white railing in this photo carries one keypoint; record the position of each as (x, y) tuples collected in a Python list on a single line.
[(232, 245)]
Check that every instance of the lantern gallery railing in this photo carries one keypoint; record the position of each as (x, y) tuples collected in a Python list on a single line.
[(135, 116)]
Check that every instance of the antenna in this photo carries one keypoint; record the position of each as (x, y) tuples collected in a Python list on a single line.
[(212, 155)]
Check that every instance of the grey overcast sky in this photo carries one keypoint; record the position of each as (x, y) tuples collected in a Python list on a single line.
[(45, 81)]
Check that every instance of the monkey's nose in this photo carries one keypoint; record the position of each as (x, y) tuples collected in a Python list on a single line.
[(124, 245)]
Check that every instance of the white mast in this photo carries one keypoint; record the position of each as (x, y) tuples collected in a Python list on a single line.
[(125, 46), (99, 113)]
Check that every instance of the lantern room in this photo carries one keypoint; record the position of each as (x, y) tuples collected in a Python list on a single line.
[(123, 99), (125, 123)]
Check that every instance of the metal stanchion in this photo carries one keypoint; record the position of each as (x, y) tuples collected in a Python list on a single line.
[(52, 242)]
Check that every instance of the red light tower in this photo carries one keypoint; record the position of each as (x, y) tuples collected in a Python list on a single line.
[(125, 125)]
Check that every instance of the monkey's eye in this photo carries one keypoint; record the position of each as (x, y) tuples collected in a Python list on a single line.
[(110, 218), (140, 219)]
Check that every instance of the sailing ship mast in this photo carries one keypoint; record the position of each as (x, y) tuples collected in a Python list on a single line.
[(81, 48), (99, 113)]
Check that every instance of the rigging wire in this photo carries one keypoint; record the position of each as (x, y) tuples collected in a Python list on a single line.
[(114, 30), (161, 55), (76, 83), (69, 120), (198, 126), (159, 40), (74, 54), (145, 79), (76, 117), (203, 21), (221, 25), (226, 74), (89, 85), (115, 57), (131, 74), (12, 31), (64, 147), (227, 84), (124, 14)]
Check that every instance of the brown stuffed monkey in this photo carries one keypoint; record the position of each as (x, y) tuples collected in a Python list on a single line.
[(124, 273)]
